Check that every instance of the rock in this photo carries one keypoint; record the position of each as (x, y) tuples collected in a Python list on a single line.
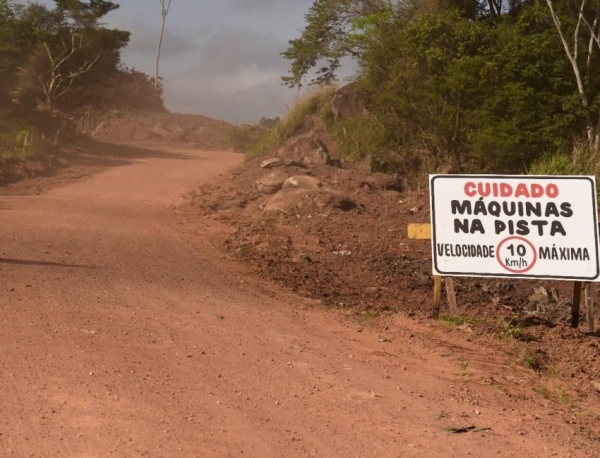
[(302, 182), (307, 150), (343, 253), (287, 199), (596, 385), (539, 297), (271, 183), (309, 193), (270, 163)]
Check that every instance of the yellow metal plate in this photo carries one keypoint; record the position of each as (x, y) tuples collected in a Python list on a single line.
[(419, 231)]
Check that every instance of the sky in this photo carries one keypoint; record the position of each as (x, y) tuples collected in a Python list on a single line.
[(220, 58)]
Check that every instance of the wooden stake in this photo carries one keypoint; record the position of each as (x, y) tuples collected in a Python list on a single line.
[(576, 304), (451, 295), (437, 296), (589, 305)]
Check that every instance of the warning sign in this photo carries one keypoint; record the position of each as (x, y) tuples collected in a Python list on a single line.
[(515, 226)]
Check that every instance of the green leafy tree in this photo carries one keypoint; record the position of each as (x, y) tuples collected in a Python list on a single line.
[(329, 36), (464, 85), (70, 54)]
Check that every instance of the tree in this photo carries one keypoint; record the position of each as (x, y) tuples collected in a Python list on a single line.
[(336, 29), (67, 54), (59, 78), (165, 6), (329, 36), (85, 15)]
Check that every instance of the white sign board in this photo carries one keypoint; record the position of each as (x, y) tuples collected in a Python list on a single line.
[(514, 226)]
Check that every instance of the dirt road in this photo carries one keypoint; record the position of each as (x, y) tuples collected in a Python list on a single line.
[(120, 337)]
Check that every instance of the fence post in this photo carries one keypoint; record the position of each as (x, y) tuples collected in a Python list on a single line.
[(576, 304)]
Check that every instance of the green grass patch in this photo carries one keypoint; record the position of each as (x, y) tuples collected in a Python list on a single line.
[(514, 329), (583, 160), (317, 102), (532, 360), (557, 394), (362, 140), (565, 398), (268, 141), (542, 391), (553, 164)]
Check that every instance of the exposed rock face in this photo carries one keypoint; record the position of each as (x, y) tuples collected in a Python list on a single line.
[(307, 150)]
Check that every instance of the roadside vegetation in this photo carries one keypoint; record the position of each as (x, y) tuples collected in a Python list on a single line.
[(317, 102), (454, 86), (57, 63)]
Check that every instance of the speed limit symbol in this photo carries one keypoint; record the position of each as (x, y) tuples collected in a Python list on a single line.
[(516, 254)]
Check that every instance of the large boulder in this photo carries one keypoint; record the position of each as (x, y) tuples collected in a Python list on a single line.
[(307, 150), (289, 199)]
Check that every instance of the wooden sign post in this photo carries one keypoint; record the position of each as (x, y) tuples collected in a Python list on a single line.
[(589, 305), (422, 231), (516, 226), (513, 226)]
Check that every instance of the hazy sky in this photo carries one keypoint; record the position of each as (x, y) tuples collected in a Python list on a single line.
[(220, 58)]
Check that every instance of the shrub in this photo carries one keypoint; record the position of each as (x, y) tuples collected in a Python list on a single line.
[(362, 139), (582, 161)]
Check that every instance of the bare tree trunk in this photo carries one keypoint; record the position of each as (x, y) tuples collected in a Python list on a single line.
[(55, 83), (165, 5), (572, 55)]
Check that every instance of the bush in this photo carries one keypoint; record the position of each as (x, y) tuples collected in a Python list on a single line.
[(582, 161), (362, 139)]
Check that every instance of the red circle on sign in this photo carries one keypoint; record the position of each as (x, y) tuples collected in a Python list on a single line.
[(523, 239)]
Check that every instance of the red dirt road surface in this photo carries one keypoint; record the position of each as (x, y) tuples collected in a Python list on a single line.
[(121, 335)]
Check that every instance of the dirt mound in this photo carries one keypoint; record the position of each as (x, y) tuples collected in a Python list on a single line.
[(341, 237), (142, 128)]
